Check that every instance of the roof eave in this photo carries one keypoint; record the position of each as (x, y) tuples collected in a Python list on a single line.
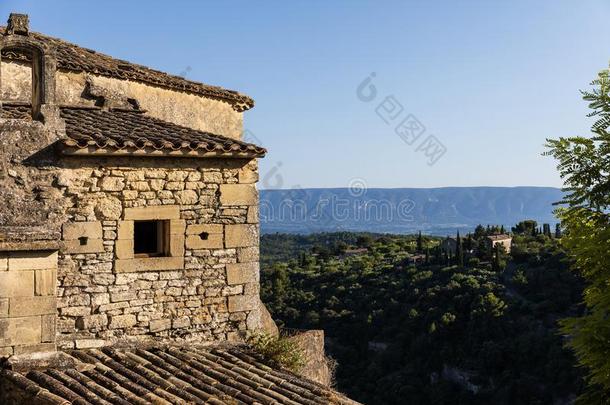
[(94, 151)]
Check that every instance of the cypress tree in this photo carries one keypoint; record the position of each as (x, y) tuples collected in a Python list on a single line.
[(459, 250)]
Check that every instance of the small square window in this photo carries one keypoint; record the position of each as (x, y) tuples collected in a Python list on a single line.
[(151, 238)]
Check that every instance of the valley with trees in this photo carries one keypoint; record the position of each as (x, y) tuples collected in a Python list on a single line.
[(405, 318)]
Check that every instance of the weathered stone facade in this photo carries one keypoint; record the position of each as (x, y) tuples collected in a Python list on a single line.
[(206, 290), (76, 194)]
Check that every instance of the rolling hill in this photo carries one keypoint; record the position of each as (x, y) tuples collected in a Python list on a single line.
[(436, 211)]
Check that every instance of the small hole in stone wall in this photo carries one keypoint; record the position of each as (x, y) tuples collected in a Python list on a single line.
[(83, 240), (204, 235)]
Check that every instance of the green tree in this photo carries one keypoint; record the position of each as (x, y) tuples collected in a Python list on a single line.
[(584, 165), (527, 227), (420, 243), (558, 231), (546, 230), (459, 250)]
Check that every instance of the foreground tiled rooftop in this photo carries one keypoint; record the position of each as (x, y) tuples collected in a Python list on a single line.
[(170, 375)]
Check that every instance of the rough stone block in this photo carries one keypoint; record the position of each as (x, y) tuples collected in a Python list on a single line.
[(196, 229), (186, 197), (159, 325), (37, 348), (3, 307), (183, 322), (212, 177), (96, 321), (17, 284), (123, 296), (177, 226), (20, 331), (241, 273), (241, 235), (204, 236), (113, 307), (47, 328), (30, 306), (122, 321), (45, 281), (247, 175), (252, 217), (240, 303), (76, 230), (109, 208), (124, 249), (176, 245), (238, 194), (112, 184), (149, 264), (248, 254), (75, 311), (177, 175), (6, 351), (82, 246), (89, 343), (32, 260), (153, 212)]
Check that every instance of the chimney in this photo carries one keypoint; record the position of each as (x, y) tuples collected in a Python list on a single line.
[(18, 24)]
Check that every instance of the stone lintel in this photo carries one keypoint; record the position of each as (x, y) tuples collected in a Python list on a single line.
[(156, 212), (148, 264)]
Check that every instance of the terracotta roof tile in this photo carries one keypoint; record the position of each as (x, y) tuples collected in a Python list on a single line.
[(132, 131), (74, 58), (172, 375)]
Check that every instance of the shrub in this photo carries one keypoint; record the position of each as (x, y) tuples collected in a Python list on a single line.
[(278, 350)]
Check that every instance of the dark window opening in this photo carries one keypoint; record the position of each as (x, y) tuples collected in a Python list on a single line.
[(150, 238), (83, 240), (204, 235)]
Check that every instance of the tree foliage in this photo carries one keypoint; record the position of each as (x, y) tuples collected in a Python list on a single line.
[(399, 330), (584, 165)]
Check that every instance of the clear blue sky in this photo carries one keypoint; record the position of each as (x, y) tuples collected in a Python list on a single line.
[(491, 80)]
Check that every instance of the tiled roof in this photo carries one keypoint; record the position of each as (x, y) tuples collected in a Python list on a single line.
[(171, 375), (76, 59), (19, 112), (90, 130), (499, 237)]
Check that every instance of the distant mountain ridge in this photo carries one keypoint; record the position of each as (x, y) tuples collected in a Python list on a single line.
[(436, 211)]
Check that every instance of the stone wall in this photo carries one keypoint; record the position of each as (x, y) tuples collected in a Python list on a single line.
[(311, 342), (27, 301), (16, 81), (210, 288)]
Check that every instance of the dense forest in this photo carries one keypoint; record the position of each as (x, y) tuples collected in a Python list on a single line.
[(410, 322)]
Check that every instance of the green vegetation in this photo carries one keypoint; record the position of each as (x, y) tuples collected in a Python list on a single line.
[(278, 350), (584, 165), (408, 323)]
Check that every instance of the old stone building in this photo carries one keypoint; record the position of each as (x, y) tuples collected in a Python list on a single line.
[(503, 239), (128, 213)]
